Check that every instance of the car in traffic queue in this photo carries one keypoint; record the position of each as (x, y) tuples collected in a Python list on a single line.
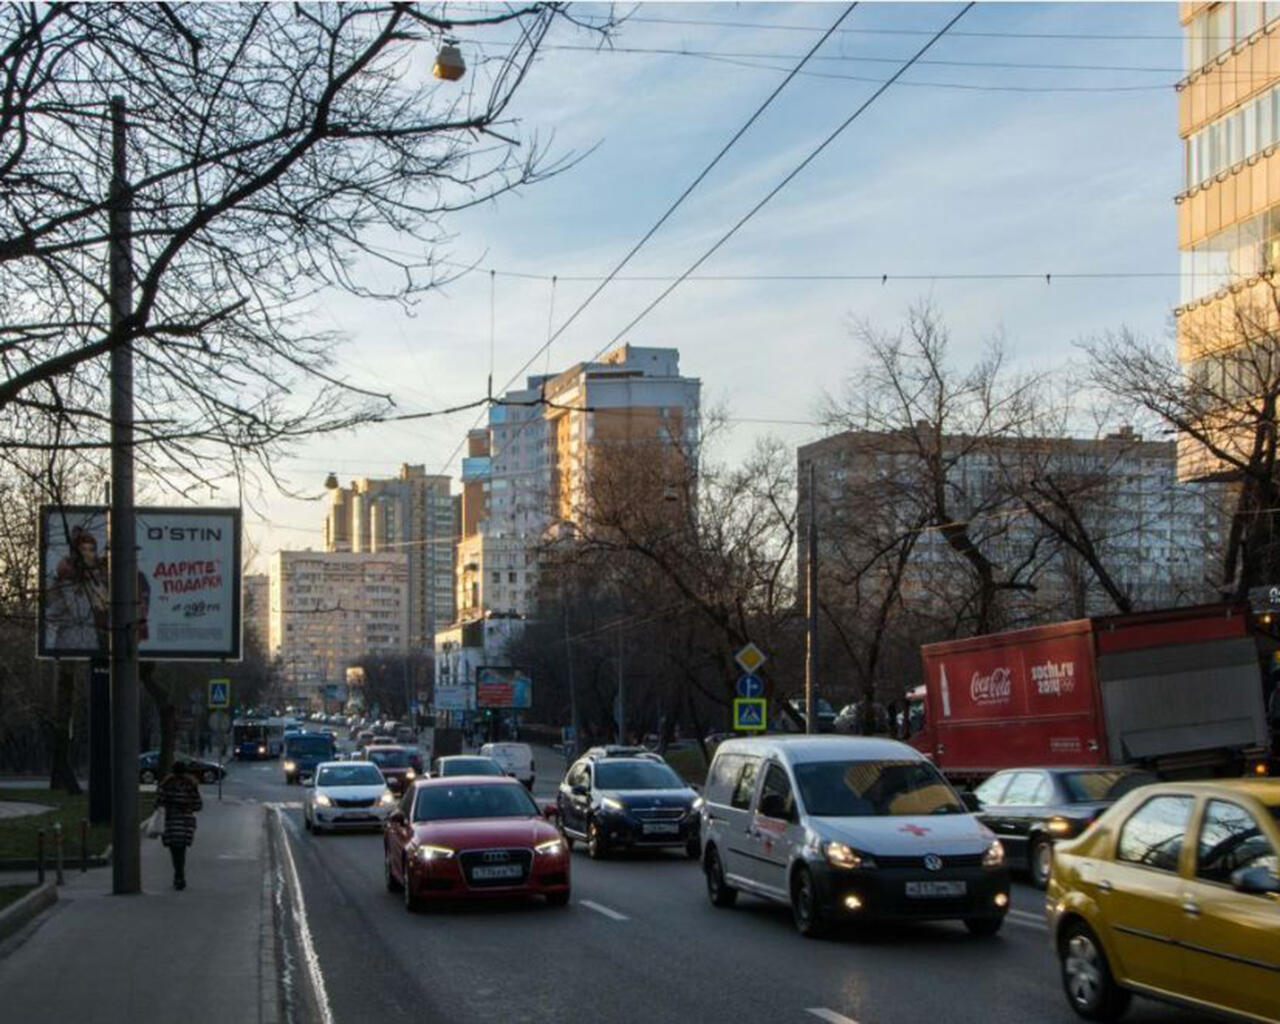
[(516, 760), (1031, 809), (396, 763), (1174, 893), (465, 764), (473, 837), (303, 751), (204, 770), (613, 801), (346, 795), (846, 829)]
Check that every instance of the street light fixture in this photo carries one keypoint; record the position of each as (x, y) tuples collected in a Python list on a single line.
[(449, 64)]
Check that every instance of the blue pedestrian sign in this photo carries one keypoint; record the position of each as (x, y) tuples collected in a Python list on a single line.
[(219, 693), (749, 714), (749, 685)]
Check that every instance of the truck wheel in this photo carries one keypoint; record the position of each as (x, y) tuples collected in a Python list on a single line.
[(1086, 976), (1040, 861)]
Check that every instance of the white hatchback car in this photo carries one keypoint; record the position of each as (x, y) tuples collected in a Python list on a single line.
[(347, 795), (516, 759)]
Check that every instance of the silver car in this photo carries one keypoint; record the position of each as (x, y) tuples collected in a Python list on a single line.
[(347, 795), (847, 829)]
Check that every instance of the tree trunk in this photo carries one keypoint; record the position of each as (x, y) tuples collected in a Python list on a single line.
[(62, 772), (166, 714)]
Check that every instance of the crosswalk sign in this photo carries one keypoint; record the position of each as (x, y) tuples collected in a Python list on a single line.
[(749, 714), (219, 693)]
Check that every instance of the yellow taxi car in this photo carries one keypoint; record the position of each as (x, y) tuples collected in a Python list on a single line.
[(1174, 893)]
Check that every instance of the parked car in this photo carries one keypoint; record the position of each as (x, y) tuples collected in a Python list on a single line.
[(395, 763), (205, 771), (823, 712), (347, 795), (614, 802), (516, 760), (1031, 809), (847, 828), (468, 838), (465, 764), (1173, 894)]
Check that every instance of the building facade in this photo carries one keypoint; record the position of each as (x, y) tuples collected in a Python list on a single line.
[(256, 609), (1229, 208), (328, 610), (411, 514), (1159, 538)]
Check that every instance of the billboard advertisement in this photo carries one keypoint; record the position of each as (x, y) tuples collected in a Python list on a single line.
[(454, 698), (188, 583), (503, 687)]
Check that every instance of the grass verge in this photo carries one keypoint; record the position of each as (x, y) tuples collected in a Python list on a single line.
[(18, 835)]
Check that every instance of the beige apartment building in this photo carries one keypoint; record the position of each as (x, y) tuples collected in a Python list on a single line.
[(411, 514), (1229, 209), (328, 610)]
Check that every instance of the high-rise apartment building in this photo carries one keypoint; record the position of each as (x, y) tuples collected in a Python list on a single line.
[(412, 514), (1229, 209), (331, 608)]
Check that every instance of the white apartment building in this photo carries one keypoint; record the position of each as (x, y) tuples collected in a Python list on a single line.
[(329, 609)]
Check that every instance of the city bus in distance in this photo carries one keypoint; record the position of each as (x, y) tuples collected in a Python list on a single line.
[(255, 739)]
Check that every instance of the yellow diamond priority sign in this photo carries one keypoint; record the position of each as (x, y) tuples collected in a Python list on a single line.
[(749, 714), (750, 658)]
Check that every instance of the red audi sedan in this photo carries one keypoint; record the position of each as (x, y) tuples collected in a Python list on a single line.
[(469, 837)]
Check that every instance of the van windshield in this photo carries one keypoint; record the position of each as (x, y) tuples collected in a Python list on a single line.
[(859, 789)]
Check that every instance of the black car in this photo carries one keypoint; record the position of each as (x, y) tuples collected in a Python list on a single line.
[(205, 771), (613, 802), (1030, 809)]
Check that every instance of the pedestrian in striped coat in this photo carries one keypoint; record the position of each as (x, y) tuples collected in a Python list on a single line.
[(179, 795)]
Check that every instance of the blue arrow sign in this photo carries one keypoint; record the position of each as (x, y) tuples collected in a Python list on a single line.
[(750, 685)]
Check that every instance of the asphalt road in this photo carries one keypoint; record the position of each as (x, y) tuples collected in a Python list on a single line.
[(640, 942)]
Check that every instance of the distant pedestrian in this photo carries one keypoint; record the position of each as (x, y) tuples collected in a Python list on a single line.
[(179, 795)]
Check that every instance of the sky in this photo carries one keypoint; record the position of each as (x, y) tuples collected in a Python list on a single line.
[(982, 162)]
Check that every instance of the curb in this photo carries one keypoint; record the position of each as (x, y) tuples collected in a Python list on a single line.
[(31, 905), (269, 994)]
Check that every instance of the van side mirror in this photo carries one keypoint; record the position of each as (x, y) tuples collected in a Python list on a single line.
[(1257, 881)]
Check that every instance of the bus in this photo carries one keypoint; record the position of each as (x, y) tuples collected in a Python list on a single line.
[(256, 739)]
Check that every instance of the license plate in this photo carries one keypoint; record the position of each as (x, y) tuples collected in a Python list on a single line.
[(665, 828), (498, 871), (933, 890)]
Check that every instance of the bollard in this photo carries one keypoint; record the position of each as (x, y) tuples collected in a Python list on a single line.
[(84, 846), (40, 857), (57, 852)]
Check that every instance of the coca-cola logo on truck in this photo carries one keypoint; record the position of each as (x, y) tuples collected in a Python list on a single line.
[(1056, 678), (995, 688)]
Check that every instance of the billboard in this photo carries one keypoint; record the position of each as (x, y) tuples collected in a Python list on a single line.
[(454, 698), (502, 687), (188, 583)]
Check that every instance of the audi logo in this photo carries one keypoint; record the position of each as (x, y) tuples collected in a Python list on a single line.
[(933, 862), (496, 856)]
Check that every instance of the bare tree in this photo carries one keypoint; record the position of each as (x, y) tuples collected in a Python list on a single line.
[(277, 152)]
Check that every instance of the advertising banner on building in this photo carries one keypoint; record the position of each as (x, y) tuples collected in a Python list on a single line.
[(188, 583), (454, 698), (502, 687)]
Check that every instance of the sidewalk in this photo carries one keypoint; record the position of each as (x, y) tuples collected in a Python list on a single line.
[(206, 954)]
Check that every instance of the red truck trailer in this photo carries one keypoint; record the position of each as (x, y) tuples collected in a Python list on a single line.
[(1178, 691)]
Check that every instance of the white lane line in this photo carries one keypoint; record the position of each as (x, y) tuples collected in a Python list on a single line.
[(1027, 920), (304, 930), (822, 1013), (612, 914)]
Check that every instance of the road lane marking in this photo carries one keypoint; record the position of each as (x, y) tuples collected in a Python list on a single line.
[(304, 928), (1027, 920), (613, 914), (830, 1016)]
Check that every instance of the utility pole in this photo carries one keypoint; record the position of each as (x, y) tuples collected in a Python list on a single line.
[(622, 693), (811, 588), (126, 857), (573, 694)]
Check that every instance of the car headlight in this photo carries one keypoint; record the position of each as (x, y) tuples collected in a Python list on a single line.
[(550, 846), (410, 774), (290, 766), (696, 806), (262, 750), (387, 797), (1059, 826), (610, 804), (994, 857), (322, 800), (429, 852), (841, 855)]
